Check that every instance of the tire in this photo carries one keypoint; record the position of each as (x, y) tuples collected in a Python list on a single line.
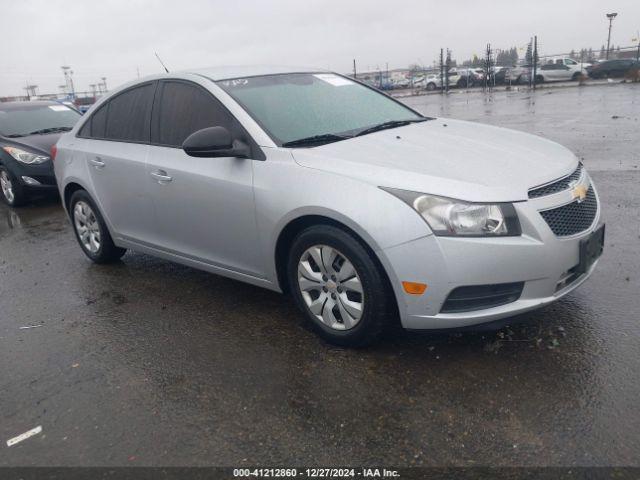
[(11, 191), (576, 76), (91, 231), (328, 295), (540, 79), (431, 86)]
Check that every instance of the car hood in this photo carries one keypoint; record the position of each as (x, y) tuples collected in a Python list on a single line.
[(464, 160), (40, 143)]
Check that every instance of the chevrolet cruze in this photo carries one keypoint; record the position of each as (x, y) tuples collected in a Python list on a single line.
[(312, 183)]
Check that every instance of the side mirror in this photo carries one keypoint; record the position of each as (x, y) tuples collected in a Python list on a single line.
[(214, 142)]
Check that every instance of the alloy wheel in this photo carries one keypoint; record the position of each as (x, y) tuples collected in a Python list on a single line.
[(87, 226), (331, 287), (7, 186)]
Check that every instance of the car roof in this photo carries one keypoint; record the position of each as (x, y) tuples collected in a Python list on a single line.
[(229, 72), (8, 106)]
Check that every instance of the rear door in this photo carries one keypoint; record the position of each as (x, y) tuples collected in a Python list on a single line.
[(204, 206), (115, 147)]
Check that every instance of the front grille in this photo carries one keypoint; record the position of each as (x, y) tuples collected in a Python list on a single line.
[(478, 297), (557, 186), (574, 217)]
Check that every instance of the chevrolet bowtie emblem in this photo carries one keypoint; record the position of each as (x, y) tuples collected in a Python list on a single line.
[(579, 192)]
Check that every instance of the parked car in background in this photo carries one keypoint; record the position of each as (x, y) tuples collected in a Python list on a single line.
[(499, 75), (465, 77), (560, 69), (84, 103), (460, 78), (479, 74), (613, 68), (28, 130), (365, 211), (401, 83), (518, 74)]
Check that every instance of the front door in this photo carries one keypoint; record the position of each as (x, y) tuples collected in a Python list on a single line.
[(204, 207)]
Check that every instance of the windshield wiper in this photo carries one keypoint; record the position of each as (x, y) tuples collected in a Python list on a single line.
[(389, 124), (14, 135), (315, 140), (50, 130)]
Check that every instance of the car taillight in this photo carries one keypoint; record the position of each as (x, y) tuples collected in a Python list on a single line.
[(54, 152)]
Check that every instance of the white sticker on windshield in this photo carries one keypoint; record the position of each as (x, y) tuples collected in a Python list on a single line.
[(58, 108), (333, 79)]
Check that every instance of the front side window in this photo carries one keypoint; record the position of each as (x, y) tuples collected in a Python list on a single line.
[(184, 109), (28, 119), (291, 107)]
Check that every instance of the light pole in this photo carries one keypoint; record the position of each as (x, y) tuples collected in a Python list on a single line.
[(610, 16)]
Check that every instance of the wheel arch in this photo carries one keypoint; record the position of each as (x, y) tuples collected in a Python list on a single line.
[(69, 189), (298, 224)]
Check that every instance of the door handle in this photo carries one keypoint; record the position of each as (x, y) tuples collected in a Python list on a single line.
[(97, 162), (161, 176)]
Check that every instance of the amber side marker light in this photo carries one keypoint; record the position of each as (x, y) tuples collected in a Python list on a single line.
[(413, 288)]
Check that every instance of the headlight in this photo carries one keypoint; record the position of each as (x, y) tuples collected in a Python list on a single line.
[(24, 156), (448, 217)]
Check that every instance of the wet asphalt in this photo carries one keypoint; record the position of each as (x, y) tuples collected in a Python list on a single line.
[(150, 363)]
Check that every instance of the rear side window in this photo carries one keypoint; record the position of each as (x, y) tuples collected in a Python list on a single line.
[(184, 109), (95, 126), (125, 118), (129, 115), (99, 123)]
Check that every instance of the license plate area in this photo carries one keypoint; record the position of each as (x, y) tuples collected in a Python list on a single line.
[(590, 250)]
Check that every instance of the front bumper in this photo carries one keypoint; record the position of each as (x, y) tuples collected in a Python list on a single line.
[(32, 177), (538, 258)]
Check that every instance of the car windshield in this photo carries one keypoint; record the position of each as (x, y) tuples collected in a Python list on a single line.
[(322, 106), (19, 121)]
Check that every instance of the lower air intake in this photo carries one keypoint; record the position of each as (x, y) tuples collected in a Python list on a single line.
[(478, 297)]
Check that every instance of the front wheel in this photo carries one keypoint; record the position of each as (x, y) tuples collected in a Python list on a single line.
[(338, 286), (431, 86), (91, 231), (11, 191)]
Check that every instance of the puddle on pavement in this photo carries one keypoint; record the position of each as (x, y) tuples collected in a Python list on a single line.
[(45, 216)]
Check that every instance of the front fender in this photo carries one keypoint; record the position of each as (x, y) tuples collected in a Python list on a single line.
[(286, 191)]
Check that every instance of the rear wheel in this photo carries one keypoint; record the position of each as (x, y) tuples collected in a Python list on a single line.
[(338, 286), (12, 192), (91, 231), (576, 76), (431, 86)]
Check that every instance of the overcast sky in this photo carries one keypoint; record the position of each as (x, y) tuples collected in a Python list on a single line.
[(118, 38)]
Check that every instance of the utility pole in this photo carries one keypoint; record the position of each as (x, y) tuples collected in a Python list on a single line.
[(441, 70), (610, 16), (447, 66), (104, 84), (32, 91), (68, 80), (488, 66), (355, 73), (535, 60)]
